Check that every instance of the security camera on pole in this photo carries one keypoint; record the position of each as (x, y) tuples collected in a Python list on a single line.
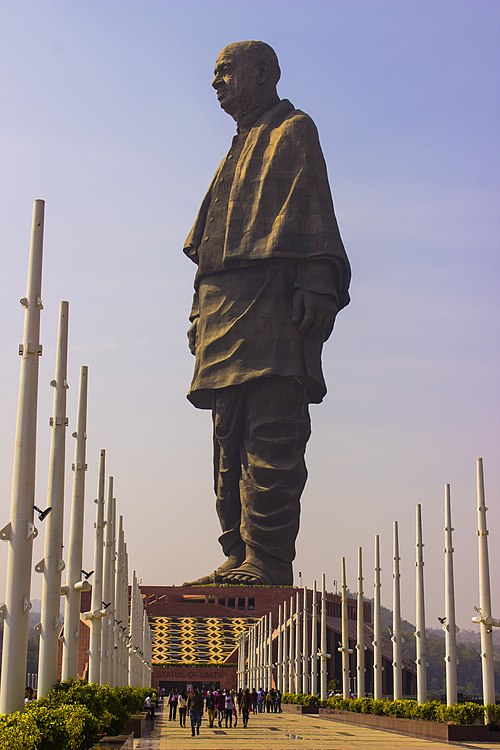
[(52, 563), (20, 531)]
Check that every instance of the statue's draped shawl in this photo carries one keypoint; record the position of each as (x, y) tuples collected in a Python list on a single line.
[(280, 205), (277, 233)]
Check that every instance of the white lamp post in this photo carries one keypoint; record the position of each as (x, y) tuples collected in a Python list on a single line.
[(52, 563), (20, 531)]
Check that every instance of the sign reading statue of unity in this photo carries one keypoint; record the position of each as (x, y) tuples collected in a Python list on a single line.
[(272, 274)]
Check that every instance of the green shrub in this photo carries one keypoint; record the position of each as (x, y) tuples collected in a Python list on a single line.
[(300, 699), (133, 698), (103, 702), (18, 731), (462, 713), (43, 727), (492, 711)]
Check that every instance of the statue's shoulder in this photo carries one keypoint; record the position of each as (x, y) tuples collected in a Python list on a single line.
[(293, 121)]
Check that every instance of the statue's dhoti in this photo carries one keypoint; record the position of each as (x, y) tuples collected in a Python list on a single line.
[(260, 433)]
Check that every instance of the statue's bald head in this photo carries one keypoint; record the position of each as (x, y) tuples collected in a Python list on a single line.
[(246, 74), (257, 53)]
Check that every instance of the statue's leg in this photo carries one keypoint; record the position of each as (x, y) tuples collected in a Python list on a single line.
[(277, 428), (227, 417)]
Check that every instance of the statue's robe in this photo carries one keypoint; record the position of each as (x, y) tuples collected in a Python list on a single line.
[(265, 228)]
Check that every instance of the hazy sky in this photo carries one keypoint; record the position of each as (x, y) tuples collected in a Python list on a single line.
[(107, 113)]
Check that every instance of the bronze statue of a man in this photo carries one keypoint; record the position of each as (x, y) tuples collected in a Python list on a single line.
[(272, 275)]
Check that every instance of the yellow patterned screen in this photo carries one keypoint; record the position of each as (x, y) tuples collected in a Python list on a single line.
[(193, 640)]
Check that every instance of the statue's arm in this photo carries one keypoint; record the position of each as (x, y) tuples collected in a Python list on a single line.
[(193, 317), (316, 296)]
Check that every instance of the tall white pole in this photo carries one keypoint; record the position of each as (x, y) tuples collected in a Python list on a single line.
[(396, 620), (145, 632), (298, 643), (20, 531), (360, 631), (75, 584), (305, 644), (450, 627), (291, 649), (112, 609), (314, 642), (258, 652), (280, 650), (286, 681), (420, 635), (255, 676), (485, 617), (377, 630), (126, 619), (323, 656), (108, 605), (345, 637), (52, 563), (95, 614), (270, 651)]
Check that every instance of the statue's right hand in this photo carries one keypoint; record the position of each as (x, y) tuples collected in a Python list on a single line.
[(191, 334)]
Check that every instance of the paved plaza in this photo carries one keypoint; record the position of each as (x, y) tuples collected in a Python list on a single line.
[(286, 732)]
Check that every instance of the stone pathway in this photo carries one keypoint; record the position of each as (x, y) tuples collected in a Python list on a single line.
[(286, 732)]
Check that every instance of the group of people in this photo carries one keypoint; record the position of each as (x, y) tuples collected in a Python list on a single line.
[(223, 707)]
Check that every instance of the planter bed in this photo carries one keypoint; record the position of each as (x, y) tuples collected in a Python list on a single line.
[(295, 708), (414, 727), (137, 724), (119, 742)]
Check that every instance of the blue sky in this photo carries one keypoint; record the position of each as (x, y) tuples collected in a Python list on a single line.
[(108, 114)]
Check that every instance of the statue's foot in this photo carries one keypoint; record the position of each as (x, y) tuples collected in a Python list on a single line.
[(259, 574), (233, 561)]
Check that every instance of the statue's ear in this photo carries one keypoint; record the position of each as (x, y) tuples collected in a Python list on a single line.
[(262, 72)]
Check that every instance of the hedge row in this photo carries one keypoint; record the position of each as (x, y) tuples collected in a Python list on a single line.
[(70, 717), (459, 713)]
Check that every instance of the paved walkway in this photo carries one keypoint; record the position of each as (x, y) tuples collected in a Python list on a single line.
[(286, 732)]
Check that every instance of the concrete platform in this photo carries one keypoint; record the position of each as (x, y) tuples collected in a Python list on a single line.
[(286, 732)]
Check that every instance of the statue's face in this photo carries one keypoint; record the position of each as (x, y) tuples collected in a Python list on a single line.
[(235, 80)]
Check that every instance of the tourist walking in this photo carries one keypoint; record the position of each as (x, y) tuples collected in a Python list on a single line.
[(210, 707), (221, 707), (245, 705), (195, 708), (182, 703), (254, 701), (172, 702), (235, 709), (228, 707)]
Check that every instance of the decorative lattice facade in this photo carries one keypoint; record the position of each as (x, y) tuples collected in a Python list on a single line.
[(196, 640)]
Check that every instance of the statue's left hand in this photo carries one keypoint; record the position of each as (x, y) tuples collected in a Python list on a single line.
[(314, 313), (191, 334)]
